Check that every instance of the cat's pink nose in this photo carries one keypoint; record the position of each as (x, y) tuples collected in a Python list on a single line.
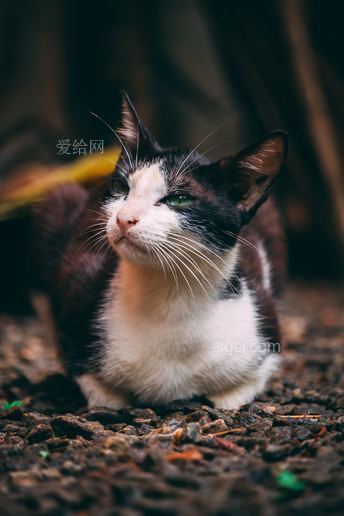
[(125, 223)]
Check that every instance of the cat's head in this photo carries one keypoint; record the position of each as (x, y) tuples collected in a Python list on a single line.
[(172, 204)]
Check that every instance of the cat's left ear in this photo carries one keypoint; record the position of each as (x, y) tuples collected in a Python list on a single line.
[(253, 171), (134, 134)]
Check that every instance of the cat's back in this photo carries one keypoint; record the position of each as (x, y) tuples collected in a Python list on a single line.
[(54, 221), (72, 269), (68, 224)]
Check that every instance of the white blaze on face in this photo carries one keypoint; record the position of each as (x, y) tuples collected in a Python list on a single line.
[(146, 188)]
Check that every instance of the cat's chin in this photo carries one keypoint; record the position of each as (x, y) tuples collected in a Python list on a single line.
[(134, 251)]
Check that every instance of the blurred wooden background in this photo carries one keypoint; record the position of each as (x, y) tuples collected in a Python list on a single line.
[(189, 66)]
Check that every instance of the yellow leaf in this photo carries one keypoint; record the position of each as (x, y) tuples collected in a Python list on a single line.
[(20, 193)]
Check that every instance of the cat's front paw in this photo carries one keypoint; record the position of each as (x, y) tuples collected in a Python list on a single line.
[(236, 397), (98, 395)]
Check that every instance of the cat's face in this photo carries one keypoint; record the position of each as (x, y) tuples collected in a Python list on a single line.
[(175, 208)]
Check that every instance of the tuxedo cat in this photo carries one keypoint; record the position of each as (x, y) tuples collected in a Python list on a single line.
[(161, 282)]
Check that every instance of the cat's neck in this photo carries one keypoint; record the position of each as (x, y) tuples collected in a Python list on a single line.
[(146, 288)]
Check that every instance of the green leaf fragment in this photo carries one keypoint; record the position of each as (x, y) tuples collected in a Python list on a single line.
[(288, 480), (16, 403), (43, 453)]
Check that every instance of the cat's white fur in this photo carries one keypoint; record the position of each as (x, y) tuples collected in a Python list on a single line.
[(265, 266), (168, 335)]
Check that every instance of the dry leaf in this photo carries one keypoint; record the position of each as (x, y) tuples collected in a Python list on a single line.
[(228, 444), (187, 455)]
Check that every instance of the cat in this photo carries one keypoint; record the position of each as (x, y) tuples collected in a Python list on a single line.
[(161, 281)]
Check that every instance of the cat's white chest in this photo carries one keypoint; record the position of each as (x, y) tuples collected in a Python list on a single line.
[(179, 351)]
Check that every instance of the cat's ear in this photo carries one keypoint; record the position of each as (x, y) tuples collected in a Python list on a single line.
[(133, 133), (253, 171)]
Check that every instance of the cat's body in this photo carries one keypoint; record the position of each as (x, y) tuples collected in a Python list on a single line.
[(183, 307)]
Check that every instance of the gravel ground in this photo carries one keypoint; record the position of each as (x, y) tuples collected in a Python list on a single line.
[(281, 454)]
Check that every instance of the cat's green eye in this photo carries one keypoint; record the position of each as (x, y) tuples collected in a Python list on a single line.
[(179, 201)]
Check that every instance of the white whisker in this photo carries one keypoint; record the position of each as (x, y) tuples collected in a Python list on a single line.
[(197, 146), (194, 263), (174, 258), (185, 265), (117, 136), (198, 244), (242, 239)]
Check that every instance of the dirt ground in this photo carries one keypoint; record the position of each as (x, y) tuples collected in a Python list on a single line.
[(282, 454)]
